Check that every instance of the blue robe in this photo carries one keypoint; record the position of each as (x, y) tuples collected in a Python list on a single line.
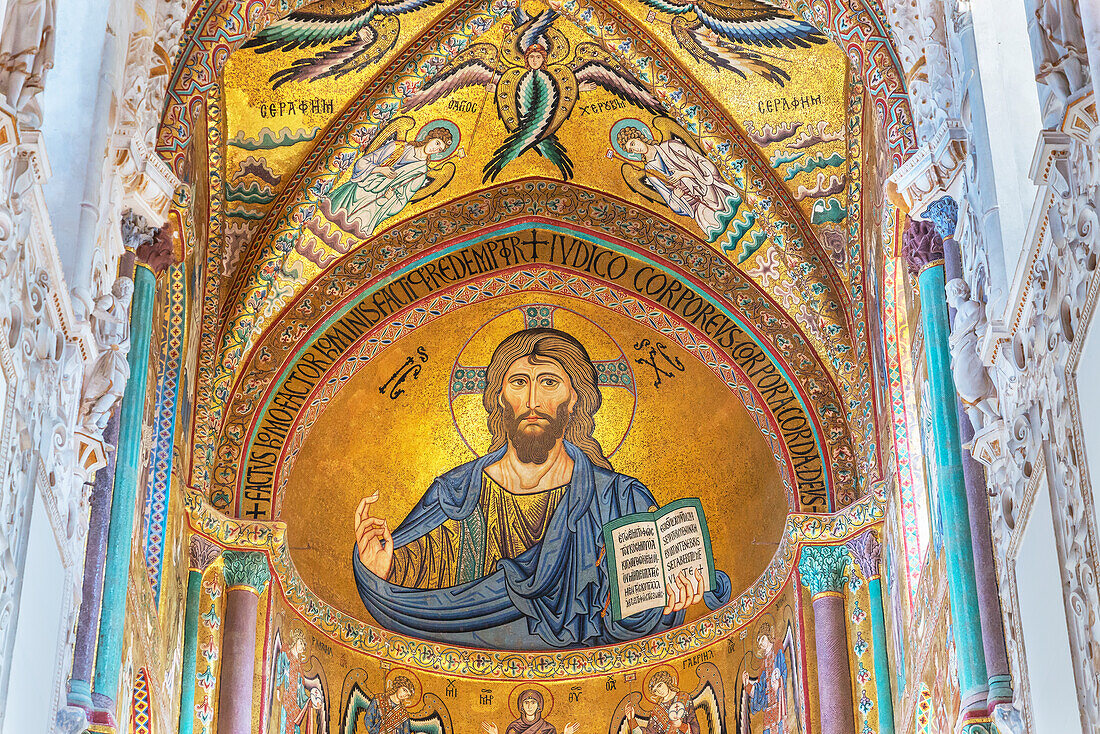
[(553, 595)]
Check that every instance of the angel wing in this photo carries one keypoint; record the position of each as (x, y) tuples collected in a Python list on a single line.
[(367, 35), (438, 178), (536, 26), (357, 703), (720, 29), (477, 65), (635, 178), (669, 128), (432, 718), (706, 46), (709, 698), (594, 70)]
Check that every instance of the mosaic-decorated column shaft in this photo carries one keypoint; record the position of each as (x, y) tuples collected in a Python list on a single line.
[(246, 574), (867, 553), (153, 256), (943, 214), (922, 248), (821, 568), (202, 554)]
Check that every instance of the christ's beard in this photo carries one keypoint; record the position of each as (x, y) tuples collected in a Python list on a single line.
[(533, 442)]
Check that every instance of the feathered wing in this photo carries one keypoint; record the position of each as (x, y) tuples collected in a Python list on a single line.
[(706, 46), (709, 698), (721, 30), (535, 27), (438, 178), (476, 65), (366, 36), (537, 101), (357, 702), (618, 83), (635, 178), (755, 23), (794, 682), (432, 718)]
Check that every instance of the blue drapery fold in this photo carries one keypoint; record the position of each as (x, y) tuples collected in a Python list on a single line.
[(552, 596)]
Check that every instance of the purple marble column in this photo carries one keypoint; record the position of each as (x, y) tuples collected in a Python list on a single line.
[(246, 574), (821, 568), (981, 534), (87, 625)]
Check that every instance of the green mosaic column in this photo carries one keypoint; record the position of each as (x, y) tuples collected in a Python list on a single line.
[(154, 255), (246, 575), (202, 553), (867, 553), (821, 568), (922, 249)]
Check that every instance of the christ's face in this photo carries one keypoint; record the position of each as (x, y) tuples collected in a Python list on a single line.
[(537, 399)]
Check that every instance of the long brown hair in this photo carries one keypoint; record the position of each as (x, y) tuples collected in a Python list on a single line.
[(541, 346)]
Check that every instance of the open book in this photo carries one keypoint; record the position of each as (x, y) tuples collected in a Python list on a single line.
[(647, 550)]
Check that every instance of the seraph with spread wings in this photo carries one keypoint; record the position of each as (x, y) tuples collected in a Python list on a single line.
[(536, 82), (364, 35), (708, 698), (721, 32)]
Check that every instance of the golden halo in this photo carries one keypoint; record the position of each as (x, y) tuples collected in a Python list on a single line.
[(647, 691), (418, 694), (547, 698), (616, 377)]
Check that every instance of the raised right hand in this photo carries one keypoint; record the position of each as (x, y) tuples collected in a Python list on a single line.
[(373, 541), (489, 728)]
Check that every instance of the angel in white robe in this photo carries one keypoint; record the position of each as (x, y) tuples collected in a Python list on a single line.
[(688, 182)]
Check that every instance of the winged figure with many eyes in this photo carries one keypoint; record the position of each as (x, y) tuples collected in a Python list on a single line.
[(536, 84), (721, 32), (366, 36)]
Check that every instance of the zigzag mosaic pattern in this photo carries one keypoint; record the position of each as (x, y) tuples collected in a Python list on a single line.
[(164, 426)]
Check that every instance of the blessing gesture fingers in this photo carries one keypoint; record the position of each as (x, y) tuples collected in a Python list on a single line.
[(373, 541)]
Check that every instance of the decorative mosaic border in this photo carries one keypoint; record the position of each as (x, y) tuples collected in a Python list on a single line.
[(158, 486), (270, 537), (529, 203), (542, 279), (906, 465)]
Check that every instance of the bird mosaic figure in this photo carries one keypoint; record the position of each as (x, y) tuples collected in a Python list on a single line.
[(536, 84), (367, 35), (721, 31)]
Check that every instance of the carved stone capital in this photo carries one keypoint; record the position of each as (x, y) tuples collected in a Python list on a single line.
[(202, 552), (246, 568), (944, 214), (921, 245), (866, 551), (135, 230), (158, 254), (822, 568)]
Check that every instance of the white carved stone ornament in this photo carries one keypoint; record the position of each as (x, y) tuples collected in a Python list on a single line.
[(106, 381), (972, 381)]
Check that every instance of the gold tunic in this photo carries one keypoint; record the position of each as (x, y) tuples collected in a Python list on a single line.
[(458, 551)]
